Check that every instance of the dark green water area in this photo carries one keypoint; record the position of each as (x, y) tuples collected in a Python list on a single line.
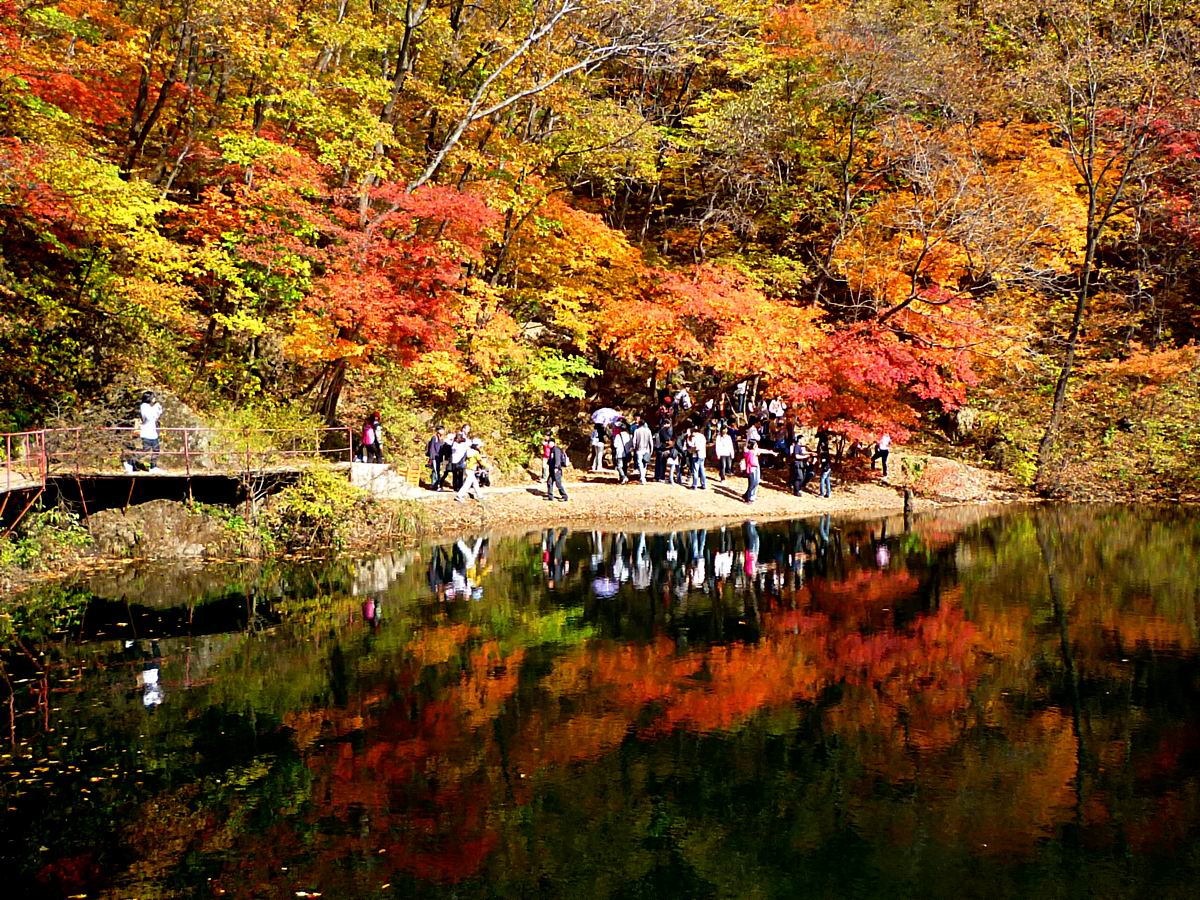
[(988, 703)]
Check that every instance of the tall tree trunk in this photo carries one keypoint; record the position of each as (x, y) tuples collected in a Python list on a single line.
[(331, 394), (1042, 479)]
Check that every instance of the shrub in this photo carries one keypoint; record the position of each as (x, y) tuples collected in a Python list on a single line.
[(316, 512), (44, 537)]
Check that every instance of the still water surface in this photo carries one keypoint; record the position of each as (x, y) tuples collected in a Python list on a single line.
[(982, 705)]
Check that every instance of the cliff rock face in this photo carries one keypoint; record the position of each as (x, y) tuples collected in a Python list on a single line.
[(163, 529)]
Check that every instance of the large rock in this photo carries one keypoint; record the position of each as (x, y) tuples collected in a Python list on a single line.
[(164, 529), (382, 482)]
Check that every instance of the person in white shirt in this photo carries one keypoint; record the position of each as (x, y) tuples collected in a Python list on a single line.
[(776, 408), (622, 441), (643, 446), (472, 458), (683, 399), (458, 460), (150, 412), (697, 448), (723, 447), (882, 449)]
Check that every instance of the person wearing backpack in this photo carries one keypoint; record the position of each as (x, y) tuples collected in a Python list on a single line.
[(372, 439), (474, 462), (622, 442)]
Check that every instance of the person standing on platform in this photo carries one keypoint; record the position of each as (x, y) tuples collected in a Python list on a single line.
[(150, 412), (372, 439)]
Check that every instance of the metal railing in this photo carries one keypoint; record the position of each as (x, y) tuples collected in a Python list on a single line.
[(24, 471), (24, 460), (31, 457)]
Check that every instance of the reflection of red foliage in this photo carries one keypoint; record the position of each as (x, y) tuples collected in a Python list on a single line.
[(70, 874)]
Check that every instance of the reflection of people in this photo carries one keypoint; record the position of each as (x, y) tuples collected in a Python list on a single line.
[(148, 677), (553, 563), (465, 569), (439, 572), (372, 611)]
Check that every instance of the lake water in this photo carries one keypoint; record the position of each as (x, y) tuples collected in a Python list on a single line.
[(985, 704)]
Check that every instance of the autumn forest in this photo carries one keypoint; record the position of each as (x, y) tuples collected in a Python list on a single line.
[(968, 221)]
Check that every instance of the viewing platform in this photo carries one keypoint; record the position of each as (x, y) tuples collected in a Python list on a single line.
[(105, 467)]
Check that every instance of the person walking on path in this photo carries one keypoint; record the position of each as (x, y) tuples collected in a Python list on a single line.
[(674, 463), (801, 467), (458, 461), (643, 446), (149, 412), (435, 456), (723, 447), (825, 465), (555, 463), (750, 459), (697, 451), (883, 448), (474, 460), (664, 440), (597, 448), (546, 440), (622, 441)]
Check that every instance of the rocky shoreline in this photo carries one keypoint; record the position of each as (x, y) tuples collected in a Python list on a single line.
[(168, 530)]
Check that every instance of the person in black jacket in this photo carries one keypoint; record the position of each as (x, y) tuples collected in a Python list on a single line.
[(664, 440), (555, 463), (433, 453)]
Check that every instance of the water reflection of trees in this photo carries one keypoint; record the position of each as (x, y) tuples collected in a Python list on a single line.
[(779, 701)]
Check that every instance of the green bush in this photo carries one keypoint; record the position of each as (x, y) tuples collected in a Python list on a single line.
[(44, 537), (317, 512)]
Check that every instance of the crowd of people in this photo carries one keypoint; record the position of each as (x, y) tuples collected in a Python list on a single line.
[(762, 563), (677, 445), (458, 457), (735, 432)]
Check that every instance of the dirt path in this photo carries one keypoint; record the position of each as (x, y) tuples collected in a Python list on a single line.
[(600, 500)]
